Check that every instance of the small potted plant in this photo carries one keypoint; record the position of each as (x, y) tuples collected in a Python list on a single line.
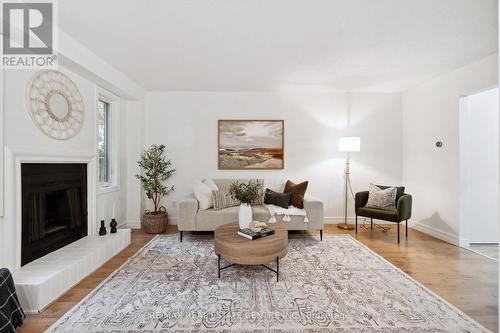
[(246, 194), (155, 170)]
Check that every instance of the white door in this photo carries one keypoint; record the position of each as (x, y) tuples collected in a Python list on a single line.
[(479, 193)]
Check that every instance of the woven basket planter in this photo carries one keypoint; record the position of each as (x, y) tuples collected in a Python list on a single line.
[(155, 222)]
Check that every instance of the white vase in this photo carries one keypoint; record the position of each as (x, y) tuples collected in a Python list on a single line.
[(245, 216)]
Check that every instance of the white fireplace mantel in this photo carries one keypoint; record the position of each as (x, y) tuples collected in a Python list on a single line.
[(29, 156)]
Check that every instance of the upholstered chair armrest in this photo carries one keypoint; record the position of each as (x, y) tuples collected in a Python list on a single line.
[(360, 200), (186, 213), (315, 213), (403, 207)]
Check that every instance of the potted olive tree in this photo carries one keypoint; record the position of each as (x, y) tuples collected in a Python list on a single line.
[(247, 194), (155, 170)]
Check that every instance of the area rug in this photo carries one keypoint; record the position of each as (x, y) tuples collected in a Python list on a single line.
[(337, 285)]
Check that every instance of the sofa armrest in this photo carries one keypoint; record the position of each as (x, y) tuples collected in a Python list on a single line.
[(315, 213), (186, 213), (403, 207), (360, 200)]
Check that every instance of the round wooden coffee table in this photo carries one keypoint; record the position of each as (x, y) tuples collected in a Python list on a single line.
[(239, 250)]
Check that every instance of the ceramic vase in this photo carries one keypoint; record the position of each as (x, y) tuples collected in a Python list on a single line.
[(102, 229), (113, 226), (245, 216)]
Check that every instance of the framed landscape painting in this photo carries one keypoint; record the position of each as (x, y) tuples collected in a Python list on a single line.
[(251, 144)]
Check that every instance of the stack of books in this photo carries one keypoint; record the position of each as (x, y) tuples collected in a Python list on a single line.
[(247, 233)]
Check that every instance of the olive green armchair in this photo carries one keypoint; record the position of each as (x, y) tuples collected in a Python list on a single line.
[(400, 214)]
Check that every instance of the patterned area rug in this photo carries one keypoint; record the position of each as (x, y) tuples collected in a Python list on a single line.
[(337, 285)]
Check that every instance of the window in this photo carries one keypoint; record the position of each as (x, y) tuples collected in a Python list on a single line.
[(103, 143), (108, 141)]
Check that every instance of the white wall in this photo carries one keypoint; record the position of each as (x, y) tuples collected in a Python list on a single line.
[(479, 197), (187, 124), (431, 175)]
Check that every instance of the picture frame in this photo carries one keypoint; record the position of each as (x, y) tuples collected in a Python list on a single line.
[(251, 144)]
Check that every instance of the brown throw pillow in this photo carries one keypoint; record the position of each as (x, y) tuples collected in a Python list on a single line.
[(298, 191)]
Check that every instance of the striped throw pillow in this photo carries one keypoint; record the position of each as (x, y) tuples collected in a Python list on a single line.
[(223, 200)]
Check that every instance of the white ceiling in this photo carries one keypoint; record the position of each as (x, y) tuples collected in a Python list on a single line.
[(258, 45)]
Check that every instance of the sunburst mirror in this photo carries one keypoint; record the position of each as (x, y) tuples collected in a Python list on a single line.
[(55, 104)]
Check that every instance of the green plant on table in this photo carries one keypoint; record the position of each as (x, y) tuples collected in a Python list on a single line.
[(246, 193)]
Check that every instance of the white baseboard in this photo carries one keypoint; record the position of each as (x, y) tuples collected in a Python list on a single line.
[(464, 242), (133, 224), (338, 219), (434, 232), (431, 231)]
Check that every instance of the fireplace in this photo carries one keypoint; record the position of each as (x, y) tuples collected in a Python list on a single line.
[(54, 207)]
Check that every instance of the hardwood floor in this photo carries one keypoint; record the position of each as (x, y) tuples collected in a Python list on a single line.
[(464, 278)]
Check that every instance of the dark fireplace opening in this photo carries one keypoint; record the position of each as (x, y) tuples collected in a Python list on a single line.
[(54, 207)]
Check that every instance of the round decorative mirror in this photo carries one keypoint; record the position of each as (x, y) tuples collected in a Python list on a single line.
[(55, 104), (58, 106)]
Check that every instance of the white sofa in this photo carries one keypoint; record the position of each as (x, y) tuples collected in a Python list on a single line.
[(191, 218)]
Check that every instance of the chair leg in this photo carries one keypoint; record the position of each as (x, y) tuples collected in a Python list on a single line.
[(356, 223), (321, 234), (406, 233), (398, 233), (371, 223), (181, 236)]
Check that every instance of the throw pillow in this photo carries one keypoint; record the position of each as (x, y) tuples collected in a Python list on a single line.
[(210, 183), (274, 184), (260, 198), (223, 200), (203, 194), (297, 193), (400, 190), (381, 198), (278, 199)]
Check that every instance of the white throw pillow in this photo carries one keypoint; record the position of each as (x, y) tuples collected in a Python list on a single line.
[(203, 194), (210, 183)]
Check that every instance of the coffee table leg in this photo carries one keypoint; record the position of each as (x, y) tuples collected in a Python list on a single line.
[(218, 264), (277, 269)]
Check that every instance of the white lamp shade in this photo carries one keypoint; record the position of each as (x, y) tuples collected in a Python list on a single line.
[(349, 144)]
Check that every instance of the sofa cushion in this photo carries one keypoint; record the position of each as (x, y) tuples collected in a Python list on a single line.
[(210, 219), (223, 184), (275, 184), (380, 214)]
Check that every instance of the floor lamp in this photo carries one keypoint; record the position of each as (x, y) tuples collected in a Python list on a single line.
[(347, 145)]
